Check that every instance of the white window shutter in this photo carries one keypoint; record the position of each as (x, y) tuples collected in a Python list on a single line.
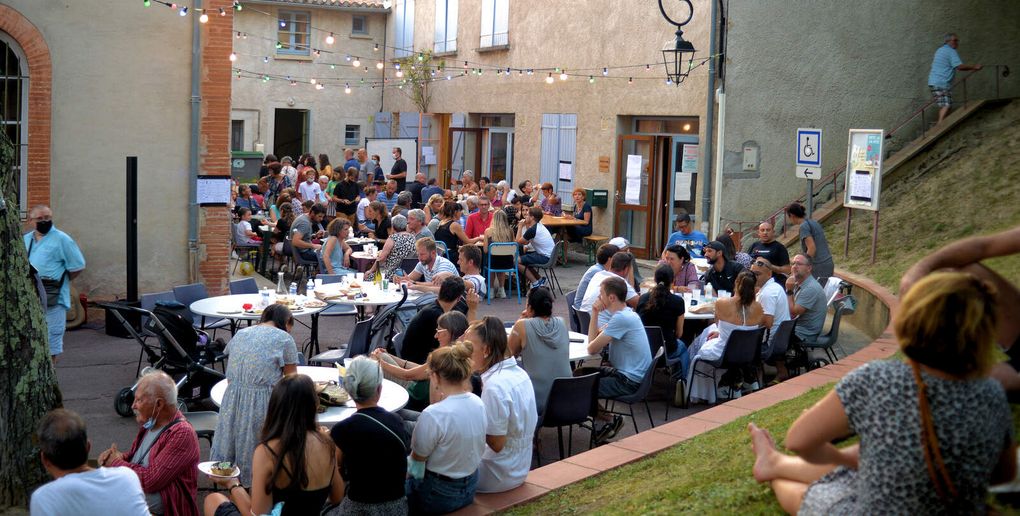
[(488, 15), (501, 24), (439, 42)]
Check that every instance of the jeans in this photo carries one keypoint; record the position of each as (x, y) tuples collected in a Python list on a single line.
[(612, 383), (56, 322), (436, 494)]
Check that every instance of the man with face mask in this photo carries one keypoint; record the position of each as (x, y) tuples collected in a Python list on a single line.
[(165, 452), (57, 258), (722, 272), (399, 170)]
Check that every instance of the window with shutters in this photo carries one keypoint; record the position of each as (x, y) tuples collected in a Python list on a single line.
[(495, 23), (446, 27), (403, 25)]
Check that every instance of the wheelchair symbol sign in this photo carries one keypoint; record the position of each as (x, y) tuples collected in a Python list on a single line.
[(809, 147)]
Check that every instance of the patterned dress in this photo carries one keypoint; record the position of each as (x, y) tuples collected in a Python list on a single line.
[(972, 421), (257, 356), (403, 247)]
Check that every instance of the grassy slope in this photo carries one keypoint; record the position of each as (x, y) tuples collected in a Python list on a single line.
[(709, 474), (968, 184)]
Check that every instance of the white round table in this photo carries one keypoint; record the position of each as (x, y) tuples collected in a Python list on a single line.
[(231, 308), (372, 295), (578, 346), (393, 398)]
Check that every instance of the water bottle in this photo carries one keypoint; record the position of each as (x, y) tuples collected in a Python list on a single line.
[(709, 293), (310, 288), (281, 288), (265, 298), (293, 288)]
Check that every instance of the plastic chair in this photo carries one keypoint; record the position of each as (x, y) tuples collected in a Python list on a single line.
[(503, 249), (742, 349), (359, 343), (301, 263), (548, 270), (641, 394), (572, 401), (574, 324), (244, 286), (781, 340), (408, 265), (827, 341), (245, 250), (583, 321), (187, 294), (831, 288), (204, 422), (334, 310)]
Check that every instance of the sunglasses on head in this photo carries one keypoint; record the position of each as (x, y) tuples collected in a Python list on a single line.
[(760, 263)]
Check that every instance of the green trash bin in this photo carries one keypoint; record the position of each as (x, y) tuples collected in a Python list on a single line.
[(244, 166), (596, 198)]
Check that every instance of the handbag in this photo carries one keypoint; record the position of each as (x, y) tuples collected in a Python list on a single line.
[(51, 286)]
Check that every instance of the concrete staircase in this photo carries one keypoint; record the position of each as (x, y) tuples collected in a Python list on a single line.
[(893, 163)]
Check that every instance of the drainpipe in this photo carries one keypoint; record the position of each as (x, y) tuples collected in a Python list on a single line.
[(706, 159), (196, 113), (719, 155)]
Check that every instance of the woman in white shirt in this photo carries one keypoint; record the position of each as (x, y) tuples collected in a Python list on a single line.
[(511, 413), (449, 439)]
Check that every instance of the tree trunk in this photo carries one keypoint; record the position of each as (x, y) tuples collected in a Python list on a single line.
[(28, 386)]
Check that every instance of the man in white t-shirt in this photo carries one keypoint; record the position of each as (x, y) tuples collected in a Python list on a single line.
[(772, 297), (428, 275), (365, 225), (620, 265), (535, 237), (77, 488), (309, 190), (470, 261)]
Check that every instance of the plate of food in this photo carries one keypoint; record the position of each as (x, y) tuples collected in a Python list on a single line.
[(228, 312), (219, 469), (254, 311), (314, 303)]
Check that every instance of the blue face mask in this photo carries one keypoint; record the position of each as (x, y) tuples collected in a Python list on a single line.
[(151, 422)]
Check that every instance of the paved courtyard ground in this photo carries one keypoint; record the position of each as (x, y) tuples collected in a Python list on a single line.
[(95, 366)]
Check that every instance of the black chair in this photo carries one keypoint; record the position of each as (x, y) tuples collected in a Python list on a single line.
[(408, 265), (742, 349), (583, 321), (204, 422), (359, 343), (300, 263), (574, 324), (187, 294), (828, 341), (641, 394), (571, 401), (244, 286), (781, 340)]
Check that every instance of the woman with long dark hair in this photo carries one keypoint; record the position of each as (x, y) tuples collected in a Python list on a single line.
[(934, 429), (294, 463), (660, 307), (510, 408), (740, 312), (259, 356)]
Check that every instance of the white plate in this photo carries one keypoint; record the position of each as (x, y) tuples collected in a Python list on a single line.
[(206, 467)]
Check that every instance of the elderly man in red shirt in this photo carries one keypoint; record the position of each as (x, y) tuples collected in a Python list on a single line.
[(480, 220), (165, 452)]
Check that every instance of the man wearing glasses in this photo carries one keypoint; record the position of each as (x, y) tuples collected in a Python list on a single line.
[(687, 237), (943, 68), (807, 303), (58, 260), (480, 220)]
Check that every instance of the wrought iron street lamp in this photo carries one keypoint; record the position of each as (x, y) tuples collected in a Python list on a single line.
[(678, 54)]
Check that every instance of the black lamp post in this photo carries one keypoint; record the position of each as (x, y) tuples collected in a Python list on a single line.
[(673, 53)]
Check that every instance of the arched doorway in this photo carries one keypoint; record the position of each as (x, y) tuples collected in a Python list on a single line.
[(14, 88)]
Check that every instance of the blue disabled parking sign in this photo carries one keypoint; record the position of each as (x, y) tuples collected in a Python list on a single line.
[(809, 153)]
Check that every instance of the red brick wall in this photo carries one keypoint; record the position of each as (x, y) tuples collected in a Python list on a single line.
[(40, 73), (214, 145)]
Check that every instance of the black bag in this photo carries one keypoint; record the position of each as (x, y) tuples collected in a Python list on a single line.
[(52, 288)]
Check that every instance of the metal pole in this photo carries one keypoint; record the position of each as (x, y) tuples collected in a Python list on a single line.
[(193, 144), (846, 243), (810, 197), (706, 194), (874, 239), (132, 228)]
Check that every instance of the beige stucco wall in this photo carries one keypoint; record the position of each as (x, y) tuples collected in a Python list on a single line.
[(841, 65), (330, 109), (573, 34), (120, 87)]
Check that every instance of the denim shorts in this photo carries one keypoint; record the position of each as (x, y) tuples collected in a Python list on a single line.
[(534, 259), (437, 494)]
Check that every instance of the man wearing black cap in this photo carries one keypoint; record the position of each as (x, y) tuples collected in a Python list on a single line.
[(722, 272)]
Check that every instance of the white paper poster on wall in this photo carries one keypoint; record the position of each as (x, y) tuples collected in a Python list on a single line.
[(566, 171), (682, 186), (213, 190), (632, 195), (634, 166), (689, 160)]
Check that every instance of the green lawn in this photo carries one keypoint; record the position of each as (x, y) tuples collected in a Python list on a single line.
[(709, 474)]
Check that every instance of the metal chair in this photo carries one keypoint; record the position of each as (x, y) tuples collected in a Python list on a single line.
[(829, 340), (503, 249), (245, 250), (148, 303), (641, 394), (574, 324), (187, 294), (300, 263), (743, 348), (398, 343), (408, 265), (204, 422), (572, 401), (548, 270), (244, 286)]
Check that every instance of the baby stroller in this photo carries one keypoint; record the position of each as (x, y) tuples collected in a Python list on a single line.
[(183, 353)]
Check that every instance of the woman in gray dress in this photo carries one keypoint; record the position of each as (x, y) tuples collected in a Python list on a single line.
[(934, 429), (259, 356), (543, 344)]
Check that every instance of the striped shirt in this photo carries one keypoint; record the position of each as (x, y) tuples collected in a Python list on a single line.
[(439, 266)]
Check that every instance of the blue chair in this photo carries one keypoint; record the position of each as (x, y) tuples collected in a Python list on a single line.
[(187, 294), (244, 286), (503, 249)]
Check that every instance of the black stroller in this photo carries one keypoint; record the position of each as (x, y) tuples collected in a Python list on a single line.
[(184, 353)]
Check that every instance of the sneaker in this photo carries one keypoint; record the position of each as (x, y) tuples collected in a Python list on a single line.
[(609, 430), (748, 388), (501, 293), (538, 283), (728, 393)]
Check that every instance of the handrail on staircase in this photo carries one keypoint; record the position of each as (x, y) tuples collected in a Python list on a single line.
[(832, 177)]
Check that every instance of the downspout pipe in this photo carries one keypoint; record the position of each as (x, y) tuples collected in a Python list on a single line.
[(193, 144), (706, 157)]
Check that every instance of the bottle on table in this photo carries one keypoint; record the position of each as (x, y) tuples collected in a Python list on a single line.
[(310, 287), (281, 288), (709, 293), (293, 288)]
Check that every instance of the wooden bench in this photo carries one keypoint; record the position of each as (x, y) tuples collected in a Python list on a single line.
[(592, 243)]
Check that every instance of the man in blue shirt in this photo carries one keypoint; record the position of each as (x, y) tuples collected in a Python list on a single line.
[(430, 190), (629, 352), (350, 162), (943, 67), (389, 197), (58, 260), (687, 237)]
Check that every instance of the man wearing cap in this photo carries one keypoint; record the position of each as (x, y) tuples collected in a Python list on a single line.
[(722, 272), (621, 265), (686, 236), (623, 245)]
